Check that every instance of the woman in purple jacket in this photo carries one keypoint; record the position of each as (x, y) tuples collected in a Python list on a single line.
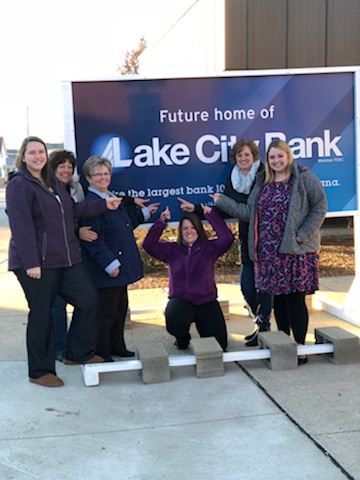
[(44, 254), (192, 289)]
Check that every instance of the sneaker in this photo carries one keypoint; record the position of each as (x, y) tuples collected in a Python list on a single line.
[(48, 380)]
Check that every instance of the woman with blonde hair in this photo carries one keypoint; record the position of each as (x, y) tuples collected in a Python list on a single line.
[(285, 212)]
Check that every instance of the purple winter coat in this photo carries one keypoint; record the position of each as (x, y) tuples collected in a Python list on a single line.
[(191, 269), (42, 224)]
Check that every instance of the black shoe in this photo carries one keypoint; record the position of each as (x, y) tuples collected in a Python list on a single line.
[(180, 347), (253, 342), (251, 335), (108, 359), (302, 360), (124, 353)]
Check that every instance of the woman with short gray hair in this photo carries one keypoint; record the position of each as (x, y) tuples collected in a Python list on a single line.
[(113, 259)]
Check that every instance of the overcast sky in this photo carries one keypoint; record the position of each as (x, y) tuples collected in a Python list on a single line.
[(46, 41)]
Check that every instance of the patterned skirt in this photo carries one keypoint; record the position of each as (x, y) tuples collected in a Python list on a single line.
[(283, 274)]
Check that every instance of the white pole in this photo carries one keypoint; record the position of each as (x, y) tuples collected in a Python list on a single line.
[(351, 304)]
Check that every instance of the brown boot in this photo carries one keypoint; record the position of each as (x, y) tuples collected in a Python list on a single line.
[(48, 380), (93, 359)]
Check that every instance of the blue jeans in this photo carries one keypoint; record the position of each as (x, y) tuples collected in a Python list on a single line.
[(59, 318), (260, 303)]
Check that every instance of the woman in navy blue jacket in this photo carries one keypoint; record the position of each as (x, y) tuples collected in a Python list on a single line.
[(113, 259), (45, 255)]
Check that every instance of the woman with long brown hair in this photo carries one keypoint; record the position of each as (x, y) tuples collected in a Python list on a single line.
[(192, 288), (44, 254)]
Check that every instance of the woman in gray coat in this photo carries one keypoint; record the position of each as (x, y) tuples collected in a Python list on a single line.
[(285, 210)]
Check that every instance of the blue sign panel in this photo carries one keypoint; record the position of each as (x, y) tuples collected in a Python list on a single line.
[(171, 138)]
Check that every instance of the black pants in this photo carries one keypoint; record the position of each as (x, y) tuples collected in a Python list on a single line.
[(291, 313), (76, 289), (208, 318), (110, 320)]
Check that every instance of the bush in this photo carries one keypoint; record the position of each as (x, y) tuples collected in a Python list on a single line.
[(229, 259)]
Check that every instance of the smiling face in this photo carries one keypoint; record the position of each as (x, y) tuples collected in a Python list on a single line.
[(188, 232), (100, 178), (64, 172), (244, 159), (35, 158), (278, 162)]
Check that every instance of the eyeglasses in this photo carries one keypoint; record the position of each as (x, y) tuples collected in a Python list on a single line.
[(98, 175)]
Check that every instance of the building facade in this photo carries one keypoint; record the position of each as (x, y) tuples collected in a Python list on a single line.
[(223, 35)]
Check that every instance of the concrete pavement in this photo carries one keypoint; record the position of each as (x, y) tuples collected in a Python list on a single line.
[(252, 423)]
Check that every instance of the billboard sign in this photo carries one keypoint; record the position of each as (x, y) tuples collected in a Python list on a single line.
[(169, 138)]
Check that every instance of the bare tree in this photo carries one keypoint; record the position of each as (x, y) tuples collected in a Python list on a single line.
[(131, 61)]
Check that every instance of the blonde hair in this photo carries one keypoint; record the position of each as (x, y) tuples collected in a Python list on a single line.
[(269, 172)]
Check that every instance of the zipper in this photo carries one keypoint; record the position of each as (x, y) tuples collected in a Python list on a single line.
[(64, 228), (44, 248)]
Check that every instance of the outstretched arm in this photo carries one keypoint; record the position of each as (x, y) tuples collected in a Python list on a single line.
[(186, 206), (233, 208)]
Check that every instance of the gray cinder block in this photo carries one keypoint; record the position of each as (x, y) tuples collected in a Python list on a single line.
[(283, 350), (225, 307), (346, 345), (155, 363), (209, 357)]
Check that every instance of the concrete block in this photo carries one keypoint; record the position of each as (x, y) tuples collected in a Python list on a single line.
[(346, 345), (225, 307), (283, 350), (155, 363), (209, 357)]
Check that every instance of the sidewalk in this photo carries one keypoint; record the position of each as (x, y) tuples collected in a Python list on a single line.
[(252, 423)]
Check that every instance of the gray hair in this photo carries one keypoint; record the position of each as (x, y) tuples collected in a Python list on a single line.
[(93, 162)]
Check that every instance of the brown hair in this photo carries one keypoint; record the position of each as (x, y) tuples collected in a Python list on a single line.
[(239, 145), (196, 222), (46, 175), (58, 157)]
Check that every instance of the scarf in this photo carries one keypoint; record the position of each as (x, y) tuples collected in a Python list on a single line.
[(243, 183)]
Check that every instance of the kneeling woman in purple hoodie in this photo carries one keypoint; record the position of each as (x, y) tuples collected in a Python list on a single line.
[(192, 288)]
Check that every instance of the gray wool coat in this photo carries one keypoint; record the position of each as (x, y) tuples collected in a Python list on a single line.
[(306, 214)]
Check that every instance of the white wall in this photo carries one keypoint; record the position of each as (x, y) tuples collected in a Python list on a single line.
[(193, 45)]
